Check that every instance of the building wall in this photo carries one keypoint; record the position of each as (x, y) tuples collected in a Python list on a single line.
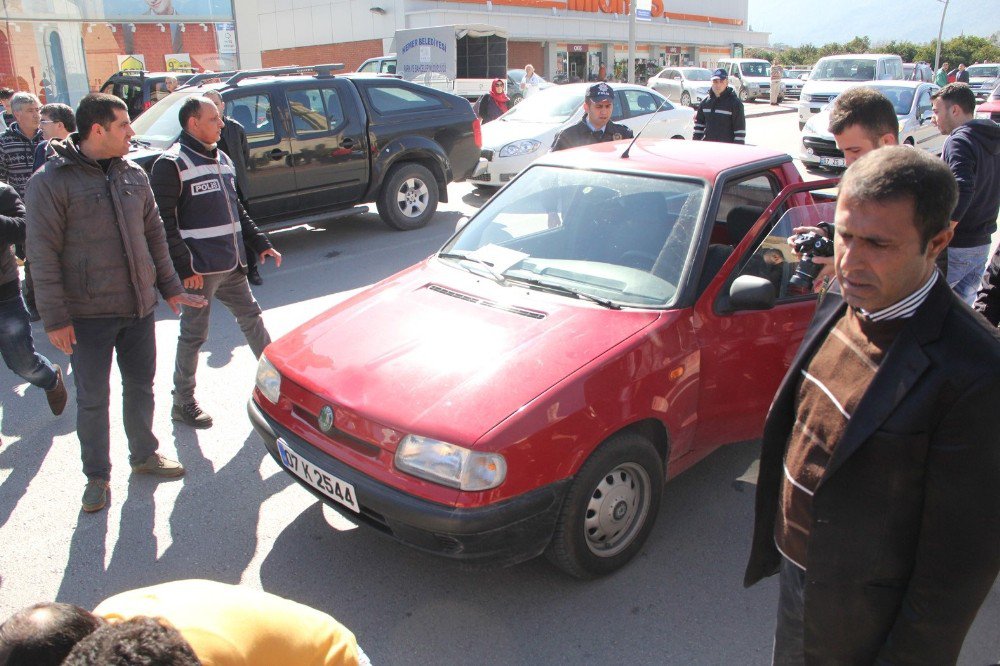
[(520, 54), (352, 54)]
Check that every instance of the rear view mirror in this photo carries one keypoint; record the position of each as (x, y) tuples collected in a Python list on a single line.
[(749, 292)]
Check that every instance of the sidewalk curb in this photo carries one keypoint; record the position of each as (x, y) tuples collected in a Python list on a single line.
[(775, 112)]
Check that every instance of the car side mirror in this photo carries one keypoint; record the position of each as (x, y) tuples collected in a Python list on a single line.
[(926, 115), (749, 292), (462, 221)]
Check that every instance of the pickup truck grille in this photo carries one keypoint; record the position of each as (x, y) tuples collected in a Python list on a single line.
[(822, 147)]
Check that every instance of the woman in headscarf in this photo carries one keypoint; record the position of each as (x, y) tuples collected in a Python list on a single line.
[(494, 104)]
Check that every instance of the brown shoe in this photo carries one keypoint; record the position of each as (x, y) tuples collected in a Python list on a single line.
[(158, 465), (57, 395), (95, 496)]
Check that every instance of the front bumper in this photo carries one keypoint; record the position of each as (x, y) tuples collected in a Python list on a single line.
[(504, 533)]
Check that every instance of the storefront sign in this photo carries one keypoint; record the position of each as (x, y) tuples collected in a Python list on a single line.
[(577, 48), (643, 10), (225, 36), (131, 62), (178, 62)]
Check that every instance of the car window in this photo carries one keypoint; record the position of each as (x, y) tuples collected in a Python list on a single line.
[(388, 66), (754, 69), (755, 192), (369, 67), (397, 99), (315, 110), (642, 103), (254, 113), (618, 112), (923, 101)]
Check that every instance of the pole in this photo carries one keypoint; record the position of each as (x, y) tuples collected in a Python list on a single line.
[(937, 51), (631, 41)]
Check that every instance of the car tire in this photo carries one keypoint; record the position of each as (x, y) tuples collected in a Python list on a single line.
[(744, 95), (409, 197), (610, 508), (685, 99), (514, 99)]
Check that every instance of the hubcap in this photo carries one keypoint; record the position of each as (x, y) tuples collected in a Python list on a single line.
[(412, 197), (617, 510)]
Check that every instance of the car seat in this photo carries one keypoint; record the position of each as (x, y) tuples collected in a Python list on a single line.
[(739, 221), (243, 116)]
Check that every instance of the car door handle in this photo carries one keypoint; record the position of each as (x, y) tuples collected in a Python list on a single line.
[(278, 153), (347, 143)]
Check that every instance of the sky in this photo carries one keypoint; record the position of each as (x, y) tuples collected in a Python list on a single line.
[(807, 22)]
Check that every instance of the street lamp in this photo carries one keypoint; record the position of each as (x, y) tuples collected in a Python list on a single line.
[(937, 52)]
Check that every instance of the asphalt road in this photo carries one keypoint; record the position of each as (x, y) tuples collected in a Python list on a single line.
[(237, 518)]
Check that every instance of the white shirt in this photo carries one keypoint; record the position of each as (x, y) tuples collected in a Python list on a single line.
[(531, 84)]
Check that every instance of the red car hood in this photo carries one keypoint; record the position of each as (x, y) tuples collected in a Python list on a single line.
[(443, 353)]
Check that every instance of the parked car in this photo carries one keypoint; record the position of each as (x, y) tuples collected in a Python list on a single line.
[(514, 79), (983, 78), (801, 73), (320, 144), (917, 71), (687, 86), (912, 101), (139, 89), (991, 107), (598, 326), (380, 65), (527, 131), (750, 78), (834, 74), (792, 84)]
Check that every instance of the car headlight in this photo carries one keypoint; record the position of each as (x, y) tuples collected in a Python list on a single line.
[(524, 147), (268, 380), (450, 465)]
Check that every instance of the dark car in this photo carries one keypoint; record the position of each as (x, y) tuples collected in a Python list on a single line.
[(141, 89), (320, 144)]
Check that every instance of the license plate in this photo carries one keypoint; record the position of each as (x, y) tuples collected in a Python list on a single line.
[(337, 490), (832, 161)]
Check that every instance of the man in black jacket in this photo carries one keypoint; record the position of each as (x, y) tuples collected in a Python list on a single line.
[(720, 116), (194, 184), (596, 125)]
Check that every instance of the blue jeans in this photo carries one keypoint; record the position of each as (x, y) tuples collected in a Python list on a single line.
[(134, 341), (966, 266), (18, 347)]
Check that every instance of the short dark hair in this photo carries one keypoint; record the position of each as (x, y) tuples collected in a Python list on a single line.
[(43, 634), (959, 94), (140, 641), (867, 108), (6, 93), (897, 173), (97, 109), (61, 113), (191, 108)]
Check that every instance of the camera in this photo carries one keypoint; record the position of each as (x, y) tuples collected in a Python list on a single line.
[(809, 245)]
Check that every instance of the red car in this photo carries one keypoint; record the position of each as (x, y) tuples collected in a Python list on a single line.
[(602, 323), (990, 109)]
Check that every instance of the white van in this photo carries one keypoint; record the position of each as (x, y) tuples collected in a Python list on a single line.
[(833, 75), (749, 77)]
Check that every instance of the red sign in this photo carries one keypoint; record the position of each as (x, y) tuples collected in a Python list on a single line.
[(577, 48)]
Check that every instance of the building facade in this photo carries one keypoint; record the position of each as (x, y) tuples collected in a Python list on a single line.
[(62, 49), (577, 39)]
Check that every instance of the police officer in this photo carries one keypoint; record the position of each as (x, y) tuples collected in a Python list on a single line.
[(720, 115), (596, 125)]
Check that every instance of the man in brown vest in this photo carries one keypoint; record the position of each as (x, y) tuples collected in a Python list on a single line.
[(877, 498)]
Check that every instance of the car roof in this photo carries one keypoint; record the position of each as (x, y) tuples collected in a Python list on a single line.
[(858, 56), (698, 159)]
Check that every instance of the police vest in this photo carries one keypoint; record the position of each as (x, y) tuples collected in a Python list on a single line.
[(207, 214)]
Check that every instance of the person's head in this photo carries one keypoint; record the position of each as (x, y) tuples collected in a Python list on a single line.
[(497, 88), (961, 66), (25, 108), (217, 100), (893, 219), (5, 95), (773, 256), (720, 81), (43, 634), (599, 104), (529, 70), (861, 120), (57, 121), (140, 640), (170, 83), (201, 119), (953, 105), (161, 6), (104, 127), (944, 65)]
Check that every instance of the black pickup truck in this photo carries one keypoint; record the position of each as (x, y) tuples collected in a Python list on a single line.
[(322, 143)]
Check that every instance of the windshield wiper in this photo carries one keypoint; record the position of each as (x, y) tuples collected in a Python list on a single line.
[(140, 142), (565, 291), (493, 273)]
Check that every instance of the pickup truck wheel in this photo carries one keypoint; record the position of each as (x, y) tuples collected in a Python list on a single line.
[(685, 99), (610, 508), (409, 197)]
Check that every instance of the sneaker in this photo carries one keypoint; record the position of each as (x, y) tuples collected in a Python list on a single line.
[(192, 415), (57, 395), (95, 496), (157, 465), (253, 275)]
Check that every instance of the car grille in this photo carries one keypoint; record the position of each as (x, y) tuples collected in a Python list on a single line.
[(490, 304), (487, 154), (820, 99), (483, 177), (822, 147)]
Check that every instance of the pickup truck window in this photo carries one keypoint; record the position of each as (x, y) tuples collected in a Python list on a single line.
[(397, 99), (254, 113), (315, 110)]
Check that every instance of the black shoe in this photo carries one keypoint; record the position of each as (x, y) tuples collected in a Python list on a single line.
[(253, 275), (192, 415)]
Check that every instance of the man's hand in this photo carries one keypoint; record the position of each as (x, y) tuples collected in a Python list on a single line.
[(63, 339), (270, 252), (196, 281), (827, 273), (190, 300)]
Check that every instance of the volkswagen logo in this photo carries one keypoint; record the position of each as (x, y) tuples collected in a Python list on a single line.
[(326, 418)]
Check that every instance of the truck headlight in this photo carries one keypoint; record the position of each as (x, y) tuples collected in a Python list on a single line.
[(268, 380), (524, 147), (450, 465)]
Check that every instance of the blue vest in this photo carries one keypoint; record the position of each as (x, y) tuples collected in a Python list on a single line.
[(207, 214)]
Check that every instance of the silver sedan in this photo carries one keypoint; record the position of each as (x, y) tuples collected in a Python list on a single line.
[(686, 85)]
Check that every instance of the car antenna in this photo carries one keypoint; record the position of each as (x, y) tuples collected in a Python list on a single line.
[(636, 137)]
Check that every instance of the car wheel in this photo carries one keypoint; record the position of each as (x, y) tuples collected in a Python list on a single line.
[(610, 508), (514, 99), (685, 99), (744, 95), (409, 197), (781, 98)]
